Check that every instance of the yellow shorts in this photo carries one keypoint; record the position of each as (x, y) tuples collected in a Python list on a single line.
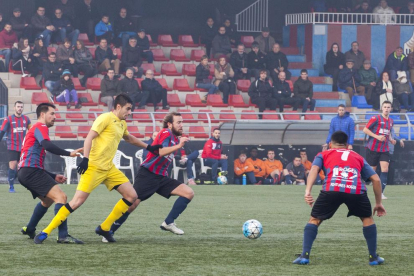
[(93, 177)]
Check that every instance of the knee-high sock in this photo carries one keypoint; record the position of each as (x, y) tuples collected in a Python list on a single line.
[(63, 228), (289, 179), (59, 218), (309, 235), (12, 175), (38, 213), (178, 207), (119, 209), (120, 221), (370, 234), (384, 180)]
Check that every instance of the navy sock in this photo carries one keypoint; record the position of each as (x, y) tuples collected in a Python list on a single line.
[(178, 207), (38, 213), (63, 228), (119, 222), (12, 175), (370, 234), (309, 235), (384, 180)]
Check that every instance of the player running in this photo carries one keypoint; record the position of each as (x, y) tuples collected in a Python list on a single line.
[(97, 167), (343, 169), (153, 177), (15, 126), (36, 179), (379, 131)]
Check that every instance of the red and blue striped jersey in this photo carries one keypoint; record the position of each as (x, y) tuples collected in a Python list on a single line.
[(15, 128), (156, 163), (343, 169), (379, 126), (33, 154)]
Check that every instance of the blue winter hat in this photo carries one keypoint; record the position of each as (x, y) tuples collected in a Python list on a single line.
[(66, 72)]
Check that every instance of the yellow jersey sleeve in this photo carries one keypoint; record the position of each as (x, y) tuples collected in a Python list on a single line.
[(101, 123), (125, 129)]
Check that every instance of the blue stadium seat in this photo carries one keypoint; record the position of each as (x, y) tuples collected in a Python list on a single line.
[(329, 103), (369, 114), (360, 102), (296, 58), (404, 133), (410, 117), (397, 119), (322, 87), (376, 69)]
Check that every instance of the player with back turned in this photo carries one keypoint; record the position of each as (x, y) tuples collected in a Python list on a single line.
[(344, 170)]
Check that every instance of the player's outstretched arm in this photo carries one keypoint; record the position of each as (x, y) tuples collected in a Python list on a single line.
[(52, 148), (367, 131), (169, 150), (136, 142), (379, 208), (310, 181)]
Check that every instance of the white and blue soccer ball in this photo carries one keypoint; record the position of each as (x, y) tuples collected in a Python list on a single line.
[(222, 180), (252, 229)]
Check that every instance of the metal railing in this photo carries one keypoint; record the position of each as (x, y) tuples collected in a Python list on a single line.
[(254, 17), (349, 18)]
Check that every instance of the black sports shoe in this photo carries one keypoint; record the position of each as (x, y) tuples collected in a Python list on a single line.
[(30, 234), (106, 234), (69, 239)]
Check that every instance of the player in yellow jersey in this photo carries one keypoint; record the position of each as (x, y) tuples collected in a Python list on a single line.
[(97, 167)]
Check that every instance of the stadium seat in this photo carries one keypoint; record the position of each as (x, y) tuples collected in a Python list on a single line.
[(101, 103), (243, 85), (88, 97), (77, 84), (91, 116), (93, 84), (85, 39), (270, 115), (166, 41), (150, 66), (247, 40), (134, 131), (227, 115), (397, 119), (211, 69), (198, 88), (404, 133), (164, 84), (246, 115), (51, 50), (152, 43), (159, 55), (360, 102), (203, 116), (39, 97), (290, 85), (83, 131), (237, 101), (215, 100), (312, 116), (186, 41), (370, 114), (92, 51), (187, 115), (174, 101), (29, 83), (59, 118), (169, 69), (194, 100), (16, 72), (189, 69), (411, 117), (291, 115), (160, 114), (139, 82), (182, 85), (196, 55), (150, 129), (198, 132), (75, 115), (64, 132), (178, 55), (143, 117)]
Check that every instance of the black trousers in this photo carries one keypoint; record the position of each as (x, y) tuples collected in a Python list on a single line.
[(138, 97), (294, 102), (335, 73), (73, 68), (88, 72), (227, 88), (159, 96), (270, 103)]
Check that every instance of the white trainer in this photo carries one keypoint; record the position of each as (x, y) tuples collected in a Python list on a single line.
[(104, 239), (172, 228), (384, 197)]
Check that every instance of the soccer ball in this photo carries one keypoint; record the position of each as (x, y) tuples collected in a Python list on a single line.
[(252, 229), (222, 180)]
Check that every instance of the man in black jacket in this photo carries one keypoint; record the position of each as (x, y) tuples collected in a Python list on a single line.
[(51, 73), (109, 89), (283, 93), (88, 13), (276, 62), (106, 57), (261, 93), (157, 92), (131, 57), (144, 44), (20, 25), (130, 87), (221, 43), (256, 61), (239, 63), (123, 28), (42, 26), (208, 32), (303, 89)]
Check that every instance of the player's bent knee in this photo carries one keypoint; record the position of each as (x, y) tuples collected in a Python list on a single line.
[(315, 221)]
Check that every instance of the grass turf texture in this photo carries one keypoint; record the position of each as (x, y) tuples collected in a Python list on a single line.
[(213, 243)]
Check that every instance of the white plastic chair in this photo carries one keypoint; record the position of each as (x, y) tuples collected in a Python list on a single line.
[(70, 163), (117, 161), (138, 155), (177, 169), (204, 168)]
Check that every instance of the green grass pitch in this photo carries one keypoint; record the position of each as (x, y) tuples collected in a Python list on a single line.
[(213, 243)]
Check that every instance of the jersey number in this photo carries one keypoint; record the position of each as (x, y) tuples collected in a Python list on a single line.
[(344, 156)]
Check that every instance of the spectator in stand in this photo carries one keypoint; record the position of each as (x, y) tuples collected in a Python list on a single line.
[(7, 38), (350, 80), (68, 9), (67, 90), (64, 28), (224, 75), (212, 155), (409, 9), (318, 6), (124, 28), (155, 89), (144, 44), (130, 87), (277, 62), (256, 60), (185, 158), (342, 6), (273, 168), (88, 16), (65, 55), (283, 93), (303, 89), (384, 88), (131, 57), (104, 29), (52, 70), (84, 62), (231, 32), (221, 43), (203, 78), (20, 25), (384, 14), (258, 165), (295, 171), (363, 8), (403, 91), (369, 80), (243, 167), (308, 165), (42, 26), (109, 89), (239, 63), (106, 57), (261, 93), (342, 122), (265, 41), (39, 53), (396, 61), (356, 55), (335, 61), (23, 59), (208, 33)]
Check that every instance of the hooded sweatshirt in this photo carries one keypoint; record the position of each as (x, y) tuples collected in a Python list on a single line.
[(345, 124), (212, 149)]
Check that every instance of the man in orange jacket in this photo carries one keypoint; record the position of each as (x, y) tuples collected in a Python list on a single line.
[(259, 168), (243, 166), (308, 164), (273, 168)]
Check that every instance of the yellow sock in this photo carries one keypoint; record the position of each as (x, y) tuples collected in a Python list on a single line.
[(60, 217), (119, 209)]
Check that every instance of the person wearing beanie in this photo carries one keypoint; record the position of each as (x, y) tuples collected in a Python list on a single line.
[(68, 94)]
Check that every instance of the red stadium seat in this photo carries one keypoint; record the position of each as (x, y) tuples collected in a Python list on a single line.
[(75, 116), (243, 85), (29, 83), (237, 101), (291, 115), (174, 100), (92, 50), (152, 43), (150, 129), (186, 41), (211, 69), (134, 131), (227, 115), (270, 115), (39, 97), (194, 100), (139, 82), (178, 55), (83, 131), (87, 96), (197, 54), (159, 55), (247, 116), (203, 117), (247, 40), (77, 84), (182, 85), (187, 115), (16, 72), (312, 116), (98, 111), (93, 84), (164, 84), (189, 69), (160, 114), (51, 50), (150, 66), (142, 117), (64, 132), (169, 69), (199, 89), (290, 85), (215, 100), (198, 132), (166, 41), (85, 39), (58, 116)]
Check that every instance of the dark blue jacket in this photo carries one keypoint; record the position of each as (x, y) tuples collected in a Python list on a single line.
[(284, 88), (143, 43), (396, 63), (101, 54), (345, 78), (345, 124), (151, 85), (62, 22)]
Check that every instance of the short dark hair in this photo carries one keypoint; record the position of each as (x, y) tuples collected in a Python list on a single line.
[(67, 40), (122, 100), (253, 148), (7, 23), (132, 38), (339, 137), (110, 69), (103, 38), (203, 57), (270, 151), (242, 152), (169, 118), (297, 156), (104, 15), (263, 71), (216, 129), (302, 150), (386, 102), (399, 48), (354, 42), (341, 105), (18, 102), (240, 44), (43, 108), (303, 71)]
